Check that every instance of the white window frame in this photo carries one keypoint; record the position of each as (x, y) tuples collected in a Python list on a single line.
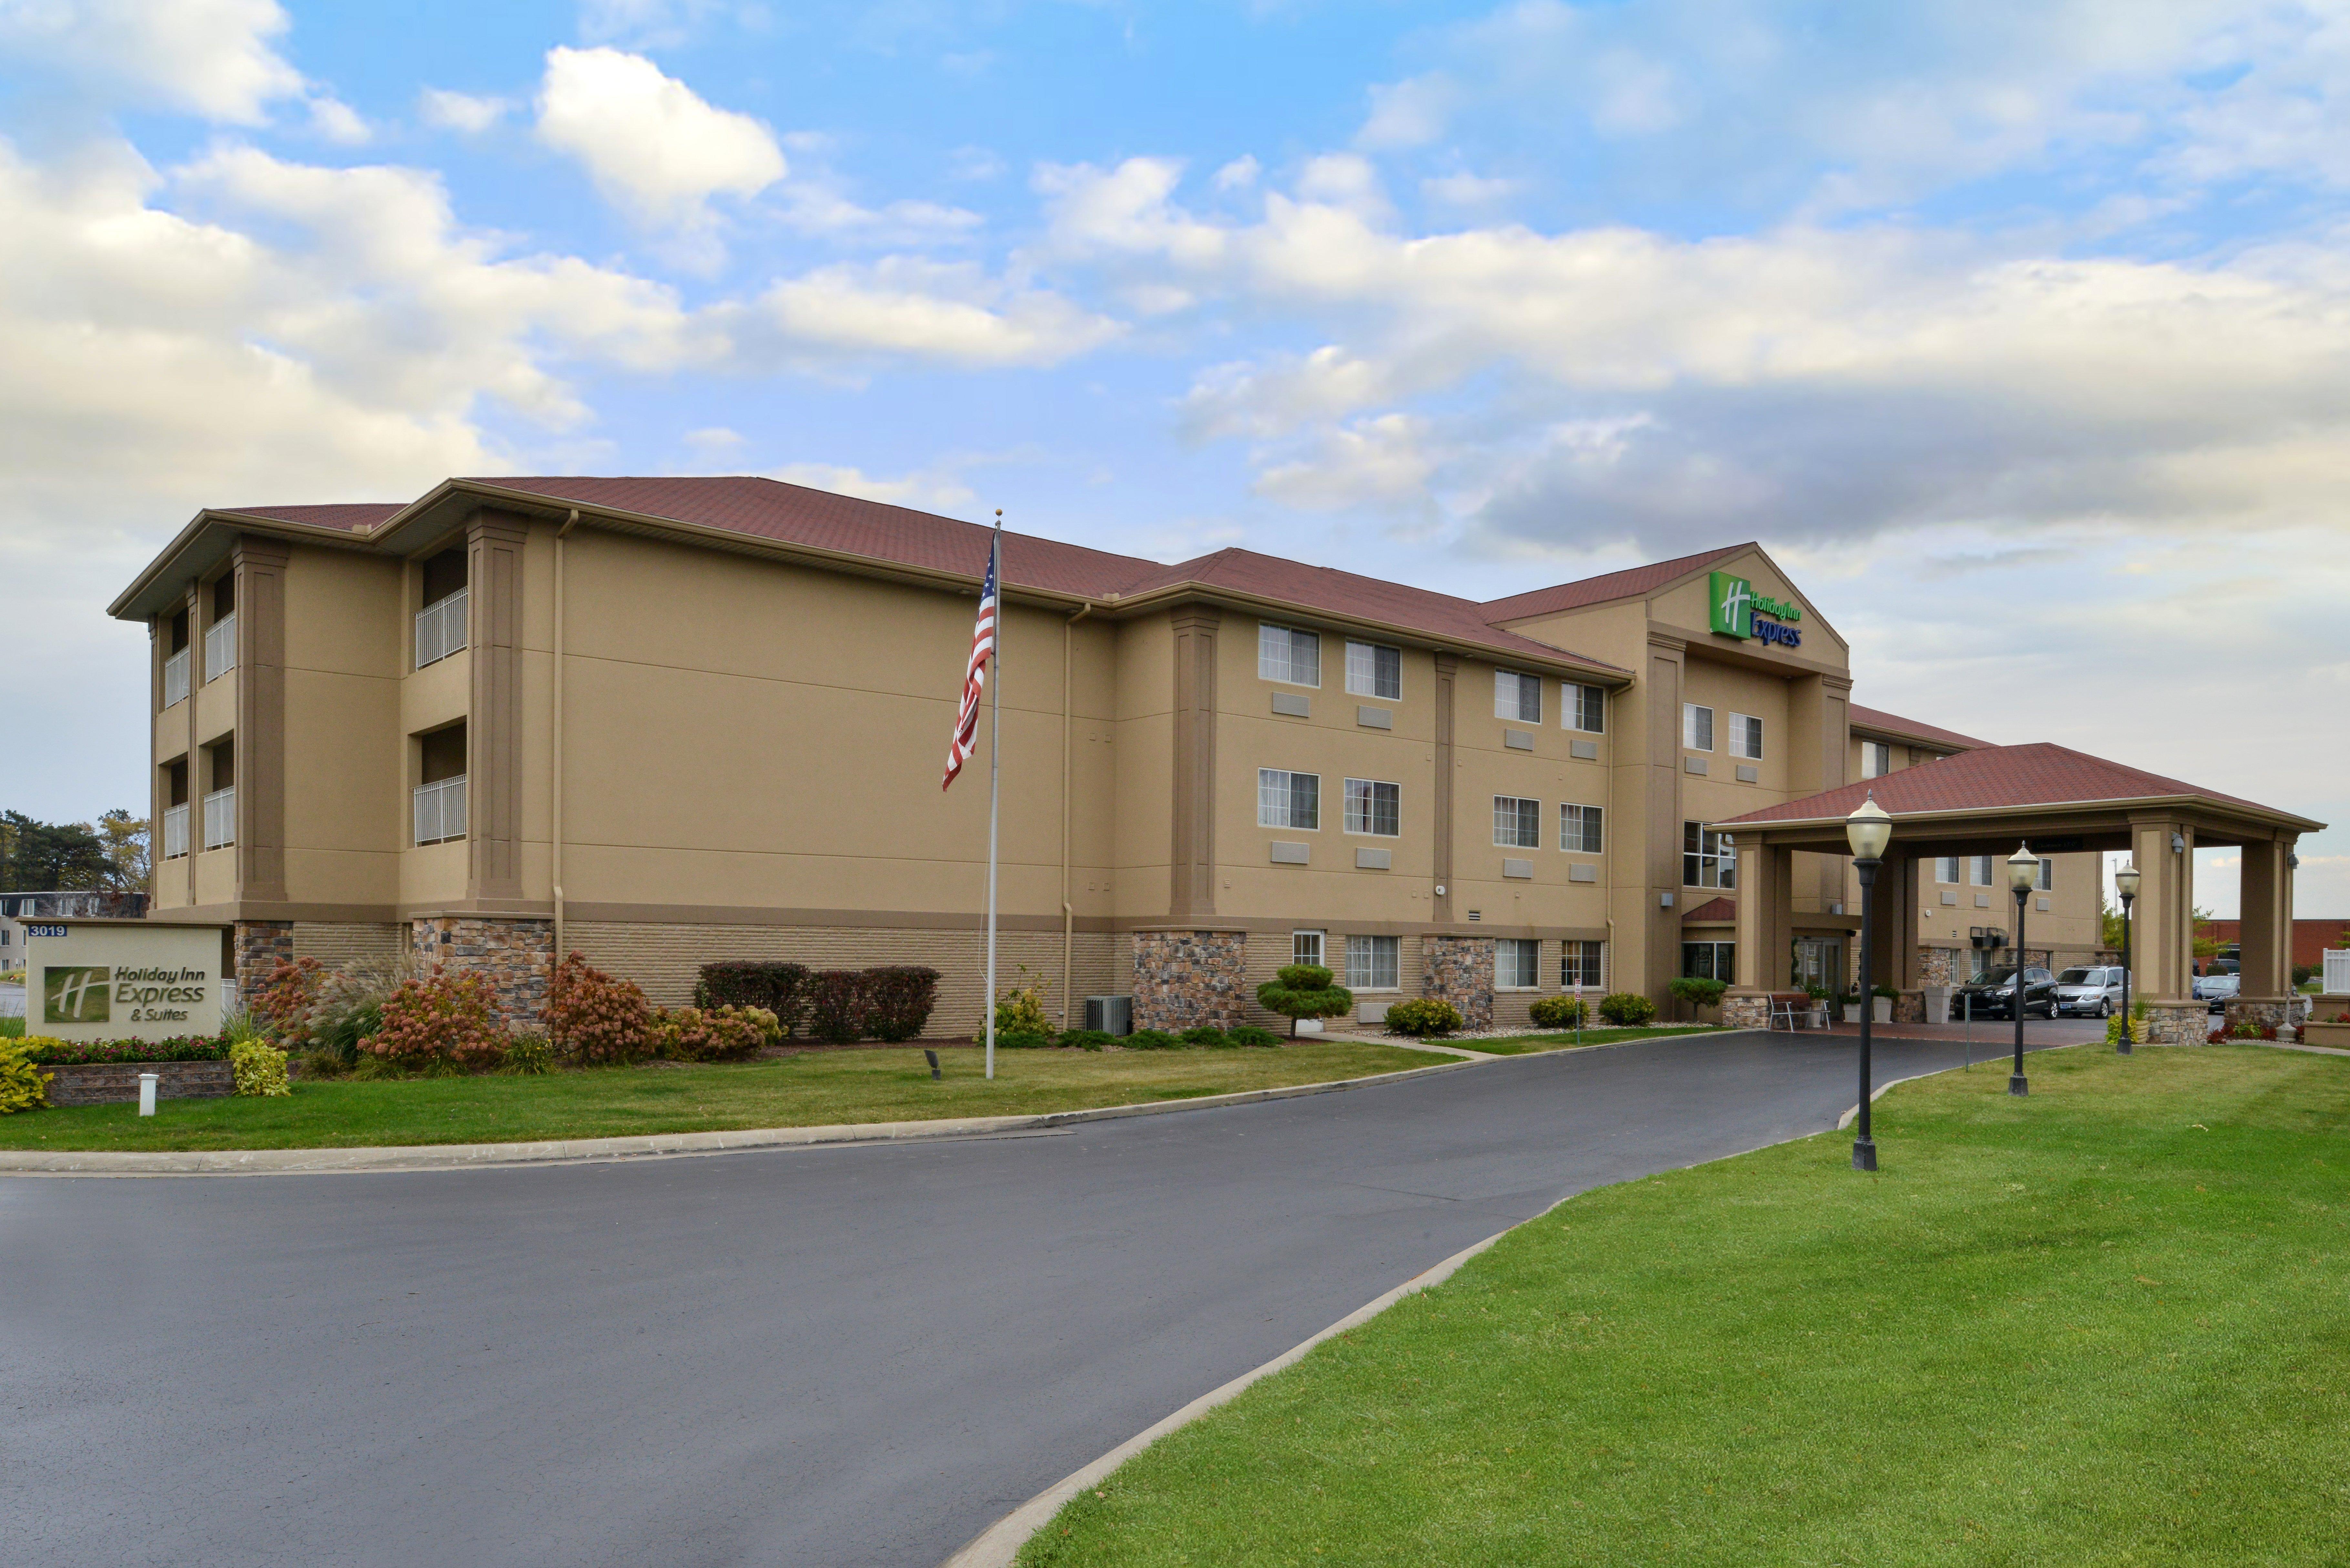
[(1278, 647), (1364, 963), (1982, 870), (1582, 963), (1716, 852), (1520, 811), (1697, 727), (2047, 874), (1746, 737), (1582, 829), (1525, 957), (1514, 689), (1282, 812), (1367, 792), (1573, 696), (1876, 758), (1949, 863), (1308, 947), (1366, 682)]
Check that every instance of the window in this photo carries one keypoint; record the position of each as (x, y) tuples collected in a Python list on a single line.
[(1697, 727), (1288, 800), (1579, 965), (1578, 830), (1371, 963), (1876, 758), (1373, 808), (440, 624), (1710, 961), (1746, 736), (1981, 871), (1584, 708), (1946, 869), (1709, 859), (1305, 947), (1517, 696), (1373, 670), (437, 803), (1517, 963), (2048, 874), (1517, 823), (1285, 653)]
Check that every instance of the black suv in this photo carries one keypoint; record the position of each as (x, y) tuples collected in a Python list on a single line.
[(1992, 995)]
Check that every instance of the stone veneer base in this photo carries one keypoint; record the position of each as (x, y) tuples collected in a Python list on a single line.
[(1186, 979), (259, 947), (2178, 1023), (1460, 969), (516, 956), (117, 1082), (1746, 1010)]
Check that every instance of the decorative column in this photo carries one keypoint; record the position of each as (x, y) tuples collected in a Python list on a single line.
[(2163, 955), (1191, 857), (1186, 979), (1447, 675), (1765, 927), (1460, 969), (260, 567), (2265, 936), (494, 545), (1658, 925)]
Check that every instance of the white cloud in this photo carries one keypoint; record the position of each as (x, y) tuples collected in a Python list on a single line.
[(1381, 462), (470, 113), (1409, 113), (217, 58), (1240, 174), (906, 306), (338, 122), (1463, 189), (652, 146), (929, 492)]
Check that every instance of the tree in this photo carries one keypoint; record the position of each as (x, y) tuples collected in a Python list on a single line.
[(2110, 922), (127, 849), (38, 856), (2206, 944), (1304, 991)]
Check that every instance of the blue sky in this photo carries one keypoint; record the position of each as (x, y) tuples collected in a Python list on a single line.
[(2019, 334)]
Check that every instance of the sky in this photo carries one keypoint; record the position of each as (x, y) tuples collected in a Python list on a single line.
[(2019, 333)]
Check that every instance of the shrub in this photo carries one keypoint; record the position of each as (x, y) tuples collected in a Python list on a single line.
[(1150, 1040), (1304, 991), (898, 999), (836, 1009), (1423, 1015), (1020, 1007), (318, 1063), (1250, 1034), (1206, 1035), (595, 1018), (77, 1052), (347, 1006), (1022, 1040), (779, 987), (527, 1055), (282, 1005), (440, 1020), (2117, 1024), (714, 1034), (1087, 1039), (1559, 1012), (1698, 990), (1627, 1008), (23, 1086), (259, 1069)]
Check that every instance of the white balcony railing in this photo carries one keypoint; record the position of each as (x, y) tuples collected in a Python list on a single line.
[(441, 628), (219, 646), (175, 831), (441, 810), (175, 678), (2337, 972), (220, 818)]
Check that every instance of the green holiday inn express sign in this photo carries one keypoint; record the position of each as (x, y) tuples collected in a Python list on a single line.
[(1738, 611)]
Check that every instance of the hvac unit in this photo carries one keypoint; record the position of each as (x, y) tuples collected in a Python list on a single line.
[(1110, 1014)]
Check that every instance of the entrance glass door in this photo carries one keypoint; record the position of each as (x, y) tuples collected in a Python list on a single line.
[(1819, 960)]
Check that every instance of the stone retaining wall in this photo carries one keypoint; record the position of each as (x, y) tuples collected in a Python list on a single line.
[(1746, 1010), (2255, 1009), (117, 1082), (2178, 1023), (1185, 979)]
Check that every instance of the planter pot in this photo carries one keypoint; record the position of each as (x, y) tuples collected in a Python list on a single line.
[(1852, 1013), (1884, 1009), (2334, 1034)]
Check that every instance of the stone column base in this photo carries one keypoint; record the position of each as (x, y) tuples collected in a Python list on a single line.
[(260, 947), (2178, 1023), (2263, 1009), (1909, 1007), (1460, 969), (1746, 1008), (1185, 979), (516, 956)]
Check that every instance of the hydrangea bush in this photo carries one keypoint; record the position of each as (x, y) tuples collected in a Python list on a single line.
[(593, 1018), (441, 1019)]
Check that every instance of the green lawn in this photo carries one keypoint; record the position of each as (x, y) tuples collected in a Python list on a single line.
[(2103, 1326), (1519, 1044), (816, 1089)]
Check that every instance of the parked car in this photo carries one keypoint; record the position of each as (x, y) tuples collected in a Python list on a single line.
[(2216, 989), (2092, 992), (1992, 995)]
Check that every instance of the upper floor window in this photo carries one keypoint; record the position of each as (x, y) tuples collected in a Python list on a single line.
[(1373, 808), (220, 636), (1982, 869), (1578, 830), (1709, 858), (1517, 963), (1517, 823), (1288, 800), (440, 624), (175, 660), (1375, 670), (1876, 758), (1584, 708), (1697, 727), (1517, 696), (1285, 653), (2047, 874), (1746, 736), (1946, 869)]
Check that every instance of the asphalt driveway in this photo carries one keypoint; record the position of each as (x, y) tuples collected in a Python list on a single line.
[(843, 1356)]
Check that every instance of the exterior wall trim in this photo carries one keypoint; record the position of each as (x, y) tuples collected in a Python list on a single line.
[(260, 567)]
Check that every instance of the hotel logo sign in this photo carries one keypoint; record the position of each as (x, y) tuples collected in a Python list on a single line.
[(1738, 611), (76, 993)]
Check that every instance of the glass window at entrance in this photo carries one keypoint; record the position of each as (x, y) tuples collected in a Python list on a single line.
[(1710, 961), (1709, 859)]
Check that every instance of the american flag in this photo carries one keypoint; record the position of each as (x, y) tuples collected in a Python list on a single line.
[(974, 674)]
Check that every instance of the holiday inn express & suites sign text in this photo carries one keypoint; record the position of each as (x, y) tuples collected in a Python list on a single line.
[(121, 980), (1738, 611)]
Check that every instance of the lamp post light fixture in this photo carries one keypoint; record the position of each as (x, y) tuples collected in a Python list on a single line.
[(2023, 877), (2125, 880), (1868, 830)]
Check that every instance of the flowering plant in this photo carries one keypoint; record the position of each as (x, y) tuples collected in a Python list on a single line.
[(715, 1033), (594, 1017), (441, 1018), (282, 1005)]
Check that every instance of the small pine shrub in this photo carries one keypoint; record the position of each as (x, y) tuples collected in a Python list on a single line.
[(1423, 1015), (593, 1018), (1304, 991), (778, 986), (1206, 1035), (1088, 1039), (259, 1069), (1022, 1040), (898, 999), (1698, 990), (23, 1086), (527, 1055), (1559, 1012), (1250, 1034), (1626, 1009), (836, 1009), (442, 1021), (1150, 1040)]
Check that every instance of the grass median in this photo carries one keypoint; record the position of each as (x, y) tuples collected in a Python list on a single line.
[(817, 1088), (1522, 1044), (2103, 1325)]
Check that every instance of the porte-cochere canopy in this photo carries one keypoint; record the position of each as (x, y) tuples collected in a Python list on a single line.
[(2058, 800)]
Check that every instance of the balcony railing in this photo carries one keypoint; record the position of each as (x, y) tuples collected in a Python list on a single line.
[(441, 628), (220, 818), (2337, 970), (219, 646), (440, 811), (175, 678), (175, 831)]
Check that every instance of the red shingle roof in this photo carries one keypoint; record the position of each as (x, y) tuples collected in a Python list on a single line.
[(357, 516), (1994, 778), (1894, 724), (1712, 911), (1622, 584)]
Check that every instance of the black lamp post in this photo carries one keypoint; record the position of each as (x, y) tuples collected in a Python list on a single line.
[(2023, 876), (2125, 883), (1867, 830)]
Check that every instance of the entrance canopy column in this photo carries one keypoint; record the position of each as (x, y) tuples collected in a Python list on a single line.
[(2266, 909), (2162, 954), (1766, 919)]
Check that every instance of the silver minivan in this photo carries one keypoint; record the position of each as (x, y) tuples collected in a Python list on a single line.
[(2094, 991)]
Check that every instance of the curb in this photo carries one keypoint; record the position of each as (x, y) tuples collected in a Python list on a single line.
[(654, 1146)]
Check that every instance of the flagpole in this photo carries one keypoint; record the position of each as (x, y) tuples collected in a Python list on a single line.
[(994, 770)]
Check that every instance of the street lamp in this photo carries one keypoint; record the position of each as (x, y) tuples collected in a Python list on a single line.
[(1867, 830), (2125, 884), (2023, 876)]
